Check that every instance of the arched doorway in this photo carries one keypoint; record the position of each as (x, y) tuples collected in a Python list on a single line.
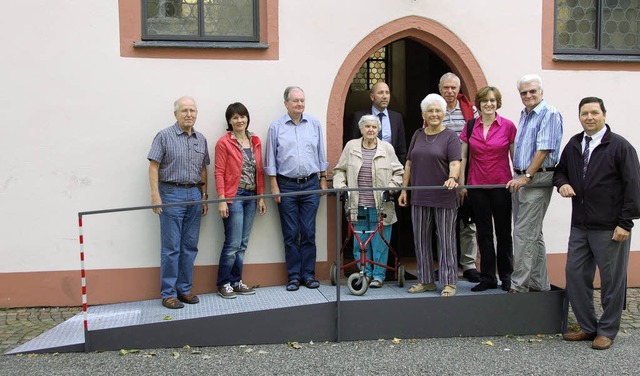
[(430, 39)]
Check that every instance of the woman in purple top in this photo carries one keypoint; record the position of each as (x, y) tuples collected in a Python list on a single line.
[(433, 159), (490, 150)]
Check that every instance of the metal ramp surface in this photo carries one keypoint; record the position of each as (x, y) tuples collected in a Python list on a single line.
[(274, 315)]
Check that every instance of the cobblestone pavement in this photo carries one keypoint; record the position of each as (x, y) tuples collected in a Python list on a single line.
[(20, 325)]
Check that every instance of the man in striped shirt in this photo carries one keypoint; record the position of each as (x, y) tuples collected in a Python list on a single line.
[(459, 111), (537, 150)]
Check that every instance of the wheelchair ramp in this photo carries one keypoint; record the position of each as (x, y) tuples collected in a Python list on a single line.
[(274, 315)]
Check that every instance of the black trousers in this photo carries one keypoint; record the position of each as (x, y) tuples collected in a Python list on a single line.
[(493, 206)]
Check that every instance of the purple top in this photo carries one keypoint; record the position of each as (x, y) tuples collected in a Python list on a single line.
[(489, 159), (430, 157)]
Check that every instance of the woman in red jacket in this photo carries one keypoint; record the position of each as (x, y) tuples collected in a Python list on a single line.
[(238, 171)]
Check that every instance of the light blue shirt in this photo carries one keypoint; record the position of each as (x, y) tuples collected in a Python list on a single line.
[(386, 124), (295, 151), (540, 129)]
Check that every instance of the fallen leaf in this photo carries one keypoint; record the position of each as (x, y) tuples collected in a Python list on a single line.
[(522, 340), (241, 346), (535, 340), (32, 355), (541, 335), (381, 340), (186, 347), (488, 343), (248, 350), (196, 352), (175, 354), (511, 336), (262, 352), (168, 318), (295, 345), (396, 340)]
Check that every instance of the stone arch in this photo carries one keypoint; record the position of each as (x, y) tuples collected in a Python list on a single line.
[(433, 35), (430, 33)]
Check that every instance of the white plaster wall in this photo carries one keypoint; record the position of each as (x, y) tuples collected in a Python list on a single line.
[(78, 119)]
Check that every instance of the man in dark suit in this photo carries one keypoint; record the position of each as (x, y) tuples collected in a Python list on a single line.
[(392, 124)]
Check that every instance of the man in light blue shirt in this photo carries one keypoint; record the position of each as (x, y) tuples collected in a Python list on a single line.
[(296, 161), (537, 150)]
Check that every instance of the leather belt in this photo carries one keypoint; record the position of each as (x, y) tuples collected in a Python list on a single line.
[(543, 169), (301, 180), (185, 185), (248, 187)]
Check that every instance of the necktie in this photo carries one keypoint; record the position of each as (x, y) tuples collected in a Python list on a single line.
[(585, 155), (380, 116)]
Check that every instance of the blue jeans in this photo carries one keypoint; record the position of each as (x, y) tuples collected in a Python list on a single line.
[(179, 233), (237, 227), (298, 221), (377, 250)]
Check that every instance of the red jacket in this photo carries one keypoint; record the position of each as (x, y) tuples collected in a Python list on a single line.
[(228, 165), (465, 106)]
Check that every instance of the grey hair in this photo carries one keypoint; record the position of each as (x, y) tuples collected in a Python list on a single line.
[(529, 78), (176, 104), (446, 77), (431, 99), (289, 89), (369, 119)]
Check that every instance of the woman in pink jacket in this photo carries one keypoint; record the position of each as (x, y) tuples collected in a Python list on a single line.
[(238, 171)]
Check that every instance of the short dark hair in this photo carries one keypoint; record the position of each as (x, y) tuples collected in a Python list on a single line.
[(484, 93), (592, 100), (236, 108)]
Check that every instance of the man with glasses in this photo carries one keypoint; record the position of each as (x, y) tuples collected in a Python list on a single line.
[(460, 110), (178, 162), (537, 150)]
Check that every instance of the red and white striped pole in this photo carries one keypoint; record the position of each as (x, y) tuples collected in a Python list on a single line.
[(84, 279)]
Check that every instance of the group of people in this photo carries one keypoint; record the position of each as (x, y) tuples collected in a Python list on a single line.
[(295, 161), (514, 169)]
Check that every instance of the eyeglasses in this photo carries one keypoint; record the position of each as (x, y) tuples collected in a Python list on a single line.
[(532, 92)]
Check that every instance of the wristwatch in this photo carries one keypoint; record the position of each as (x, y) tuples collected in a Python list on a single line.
[(528, 175)]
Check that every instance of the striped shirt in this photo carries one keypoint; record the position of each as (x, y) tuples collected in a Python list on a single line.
[(454, 119), (181, 156), (365, 178), (540, 129)]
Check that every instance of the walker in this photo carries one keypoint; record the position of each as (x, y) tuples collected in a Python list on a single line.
[(357, 283)]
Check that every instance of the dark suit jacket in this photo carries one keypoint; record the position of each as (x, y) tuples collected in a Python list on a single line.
[(398, 140)]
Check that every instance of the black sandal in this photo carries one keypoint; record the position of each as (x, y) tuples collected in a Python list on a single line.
[(312, 283), (293, 285)]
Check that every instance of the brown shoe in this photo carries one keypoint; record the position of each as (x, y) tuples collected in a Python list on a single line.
[(578, 336), (189, 299), (601, 343), (172, 303)]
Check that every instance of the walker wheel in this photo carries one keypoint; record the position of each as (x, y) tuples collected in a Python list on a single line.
[(357, 284), (333, 274), (401, 276)]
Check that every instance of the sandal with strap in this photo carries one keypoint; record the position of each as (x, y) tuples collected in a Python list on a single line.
[(422, 287), (293, 285), (312, 284), (448, 290)]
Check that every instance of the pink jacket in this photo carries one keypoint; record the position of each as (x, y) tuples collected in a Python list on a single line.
[(228, 165)]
